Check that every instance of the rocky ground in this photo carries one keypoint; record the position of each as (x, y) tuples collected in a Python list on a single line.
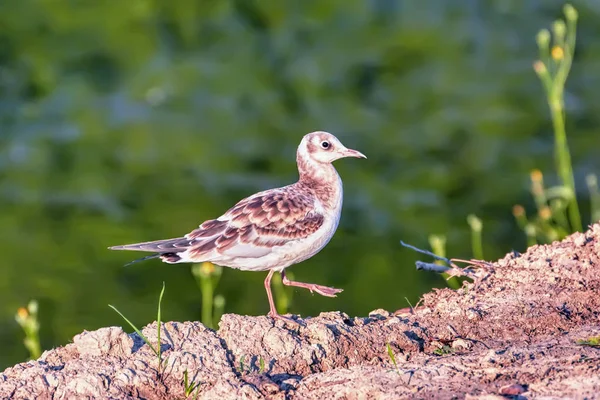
[(511, 333)]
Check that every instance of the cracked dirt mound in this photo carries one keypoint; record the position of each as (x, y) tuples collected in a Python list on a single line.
[(511, 332)]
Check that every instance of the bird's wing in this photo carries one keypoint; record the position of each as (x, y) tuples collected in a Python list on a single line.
[(255, 225)]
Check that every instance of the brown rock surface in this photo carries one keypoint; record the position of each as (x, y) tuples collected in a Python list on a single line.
[(510, 333)]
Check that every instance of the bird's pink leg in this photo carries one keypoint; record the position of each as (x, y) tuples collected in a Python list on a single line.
[(273, 311), (322, 290)]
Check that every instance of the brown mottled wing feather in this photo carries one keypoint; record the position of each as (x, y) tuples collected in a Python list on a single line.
[(158, 246), (254, 225)]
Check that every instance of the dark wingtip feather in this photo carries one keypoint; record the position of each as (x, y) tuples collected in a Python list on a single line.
[(142, 259)]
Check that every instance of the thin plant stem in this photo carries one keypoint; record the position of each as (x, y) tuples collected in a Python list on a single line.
[(207, 277), (476, 239), (207, 301), (27, 318), (592, 184), (158, 323), (438, 246), (554, 76)]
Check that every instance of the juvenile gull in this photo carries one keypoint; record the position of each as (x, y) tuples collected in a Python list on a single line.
[(274, 229)]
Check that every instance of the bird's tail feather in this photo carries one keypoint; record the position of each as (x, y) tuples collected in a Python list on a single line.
[(159, 246), (167, 250)]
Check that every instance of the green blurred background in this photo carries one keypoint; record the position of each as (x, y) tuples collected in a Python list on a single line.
[(125, 121)]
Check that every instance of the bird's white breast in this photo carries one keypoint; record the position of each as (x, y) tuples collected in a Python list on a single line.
[(311, 245)]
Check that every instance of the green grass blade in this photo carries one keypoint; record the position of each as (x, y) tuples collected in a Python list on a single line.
[(144, 338), (158, 322), (242, 358), (392, 357), (185, 383), (261, 364)]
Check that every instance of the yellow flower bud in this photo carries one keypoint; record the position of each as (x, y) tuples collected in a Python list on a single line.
[(207, 268), (558, 53), (518, 210), (22, 313), (536, 175), (545, 213)]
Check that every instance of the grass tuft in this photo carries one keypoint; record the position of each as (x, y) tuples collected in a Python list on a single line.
[(156, 350), (190, 387), (251, 367)]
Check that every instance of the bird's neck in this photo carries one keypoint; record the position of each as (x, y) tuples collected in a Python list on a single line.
[(322, 179)]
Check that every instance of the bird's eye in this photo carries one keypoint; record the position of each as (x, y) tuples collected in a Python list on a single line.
[(325, 144)]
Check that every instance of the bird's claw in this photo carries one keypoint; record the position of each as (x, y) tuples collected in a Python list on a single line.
[(325, 290), (276, 316)]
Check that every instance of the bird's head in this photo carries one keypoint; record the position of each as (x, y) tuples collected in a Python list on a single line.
[(324, 148)]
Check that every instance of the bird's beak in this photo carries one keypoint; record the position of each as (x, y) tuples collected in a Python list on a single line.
[(353, 153)]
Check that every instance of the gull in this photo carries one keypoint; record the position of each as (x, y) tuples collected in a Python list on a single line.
[(273, 229)]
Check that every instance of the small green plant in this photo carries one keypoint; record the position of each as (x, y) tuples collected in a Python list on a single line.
[(476, 241), (444, 350), (261, 364), (550, 222), (207, 277), (558, 211), (392, 357), (157, 349), (27, 318), (438, 246), (593, 341), (190, 387), (242, 368)]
